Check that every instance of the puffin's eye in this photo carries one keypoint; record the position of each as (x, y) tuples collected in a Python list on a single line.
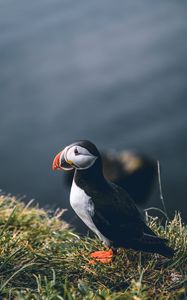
[(76, 151)]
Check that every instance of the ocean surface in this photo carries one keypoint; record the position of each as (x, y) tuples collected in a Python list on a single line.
[(114, 72)]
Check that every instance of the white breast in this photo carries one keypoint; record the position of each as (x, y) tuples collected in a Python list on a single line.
[(84, 208)]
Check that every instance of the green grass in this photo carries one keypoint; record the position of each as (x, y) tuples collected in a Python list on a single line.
[(41, 259)]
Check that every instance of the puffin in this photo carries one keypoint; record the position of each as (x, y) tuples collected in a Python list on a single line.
[(104, 207), (134, 171)]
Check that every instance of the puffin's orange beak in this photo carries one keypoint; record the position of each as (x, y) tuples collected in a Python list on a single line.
[(56, 162), (59, 162)]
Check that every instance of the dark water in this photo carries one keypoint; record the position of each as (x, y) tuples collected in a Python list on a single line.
[(114, 72)]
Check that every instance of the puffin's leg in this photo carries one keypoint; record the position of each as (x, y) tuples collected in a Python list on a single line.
[(102, 256)]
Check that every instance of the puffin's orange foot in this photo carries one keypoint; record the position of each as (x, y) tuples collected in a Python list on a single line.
[(104, 257)]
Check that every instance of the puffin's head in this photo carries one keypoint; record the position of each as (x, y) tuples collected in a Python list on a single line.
[(80, 155)]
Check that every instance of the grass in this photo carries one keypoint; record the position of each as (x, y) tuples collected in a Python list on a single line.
[(42, 259)]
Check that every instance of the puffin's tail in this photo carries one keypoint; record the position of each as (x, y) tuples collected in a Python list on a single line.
[(154, 244)]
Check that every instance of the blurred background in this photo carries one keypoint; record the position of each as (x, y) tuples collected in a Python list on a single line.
[(113, 72)]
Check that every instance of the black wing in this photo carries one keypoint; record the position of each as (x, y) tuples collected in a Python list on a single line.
[(117, 217)]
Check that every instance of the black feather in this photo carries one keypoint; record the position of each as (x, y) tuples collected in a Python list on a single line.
[(153, 244)]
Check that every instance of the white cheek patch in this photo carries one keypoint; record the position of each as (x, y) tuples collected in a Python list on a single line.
[(83, 160)]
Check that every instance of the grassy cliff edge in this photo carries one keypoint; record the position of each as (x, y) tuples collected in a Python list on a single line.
[(41, 258)]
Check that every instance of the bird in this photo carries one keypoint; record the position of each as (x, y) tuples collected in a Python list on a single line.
[(134, 171), (105, 207)]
